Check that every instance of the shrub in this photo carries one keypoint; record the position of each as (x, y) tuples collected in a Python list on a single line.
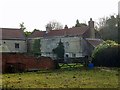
[(36, 47), (59, 50), (106, 54)]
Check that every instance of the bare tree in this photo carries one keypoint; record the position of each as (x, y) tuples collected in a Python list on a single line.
[(102, 22), (55, 25)]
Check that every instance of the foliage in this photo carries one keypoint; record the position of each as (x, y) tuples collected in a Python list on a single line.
[(105, 44), (106, 54), (108, 28), (62, 78), (59, 50), (118, 29), (27, 33), (79, 24), (55, 25), (22, 27), (36, 47)]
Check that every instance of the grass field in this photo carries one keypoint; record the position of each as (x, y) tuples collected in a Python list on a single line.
[(77, 77)]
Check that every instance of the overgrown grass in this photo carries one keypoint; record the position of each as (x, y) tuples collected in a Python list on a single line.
[(74, 77)]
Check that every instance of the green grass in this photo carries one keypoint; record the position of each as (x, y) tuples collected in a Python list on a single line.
[(77, 77)]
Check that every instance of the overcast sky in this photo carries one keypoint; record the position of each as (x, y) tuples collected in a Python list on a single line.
[(37, 13)]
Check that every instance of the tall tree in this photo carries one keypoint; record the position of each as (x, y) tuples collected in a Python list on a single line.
[(22, 27), (109, 28), (55, 25), (119, 27), (78, 24)]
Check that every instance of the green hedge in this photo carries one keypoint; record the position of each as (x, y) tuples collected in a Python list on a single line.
[(36, 47), (106, 54)]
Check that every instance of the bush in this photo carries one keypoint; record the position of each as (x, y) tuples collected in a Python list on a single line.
[(36, 47), (106, 54), (59, 50)]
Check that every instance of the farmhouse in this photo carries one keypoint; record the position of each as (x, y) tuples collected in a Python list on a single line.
[(77, 41), (13, 45), (12, 40)]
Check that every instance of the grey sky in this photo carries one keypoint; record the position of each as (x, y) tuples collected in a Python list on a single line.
[(37, 13)]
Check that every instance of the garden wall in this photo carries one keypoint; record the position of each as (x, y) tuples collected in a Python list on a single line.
[(20, 62)]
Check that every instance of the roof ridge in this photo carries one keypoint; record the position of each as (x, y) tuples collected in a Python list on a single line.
[(60, 32), (11, 28)]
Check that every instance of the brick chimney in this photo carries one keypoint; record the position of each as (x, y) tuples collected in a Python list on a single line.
[(48, 28), (91, 29)]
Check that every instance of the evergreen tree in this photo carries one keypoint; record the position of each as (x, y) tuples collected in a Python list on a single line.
[(36, 47), (77, 23), (59, 50), (109, 30)]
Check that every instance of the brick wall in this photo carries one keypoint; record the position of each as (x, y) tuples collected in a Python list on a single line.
[(0, 63), (25, 62)]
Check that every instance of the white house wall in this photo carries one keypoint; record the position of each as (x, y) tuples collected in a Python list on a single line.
[(11, 45), (47, 44), (72, 46)]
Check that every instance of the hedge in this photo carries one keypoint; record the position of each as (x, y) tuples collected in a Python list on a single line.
[(106, 54)]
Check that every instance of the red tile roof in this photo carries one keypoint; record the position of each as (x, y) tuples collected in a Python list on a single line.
[(62, 32), (94, 42), (12, 33), (37, 33)]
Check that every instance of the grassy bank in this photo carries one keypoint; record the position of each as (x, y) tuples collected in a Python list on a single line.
[(63, 78)]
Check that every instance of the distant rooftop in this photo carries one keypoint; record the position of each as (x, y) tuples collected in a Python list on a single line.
[(12, 33), (61, 32)]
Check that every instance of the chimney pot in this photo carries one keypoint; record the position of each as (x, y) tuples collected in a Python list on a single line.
[(66, 27), (90, 19)]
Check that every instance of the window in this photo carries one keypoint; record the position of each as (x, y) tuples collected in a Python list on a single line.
[(16, 45), (74, 55)]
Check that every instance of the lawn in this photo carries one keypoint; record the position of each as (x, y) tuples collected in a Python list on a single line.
[(66, 77)]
